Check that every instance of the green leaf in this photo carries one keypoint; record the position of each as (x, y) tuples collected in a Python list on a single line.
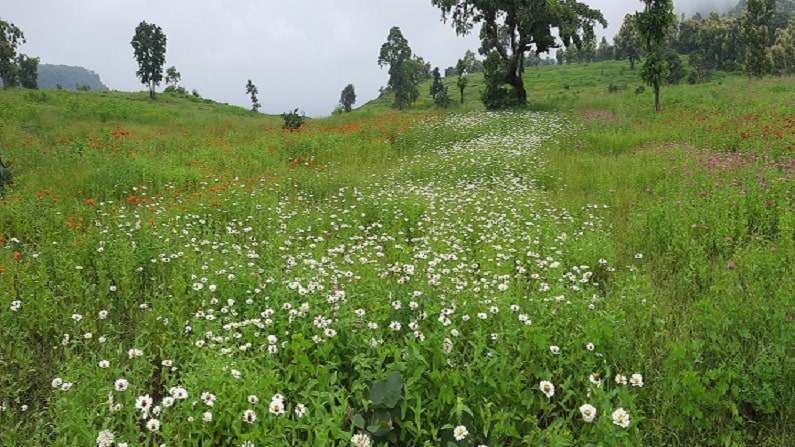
[(386, 393), (357, 421)]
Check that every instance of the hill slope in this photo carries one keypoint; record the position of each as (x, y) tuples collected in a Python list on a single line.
[(68, 77)]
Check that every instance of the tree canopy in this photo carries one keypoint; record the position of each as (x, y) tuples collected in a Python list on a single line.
[(511, 28), (252, 91), (405, 71), (10, 38), (348, 98), (149, 46)]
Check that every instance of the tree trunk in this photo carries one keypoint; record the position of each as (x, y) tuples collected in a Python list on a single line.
[(462, 96), (657, 97), (631, 63), (152, 89), (518, 89)]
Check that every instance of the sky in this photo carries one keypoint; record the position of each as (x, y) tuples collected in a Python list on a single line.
[(298, 53)]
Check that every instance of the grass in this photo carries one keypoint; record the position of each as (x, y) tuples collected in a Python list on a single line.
[(193, 231)]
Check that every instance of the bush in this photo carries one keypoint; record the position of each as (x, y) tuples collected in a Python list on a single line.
[(613, 88), (676, 70), (6, 177), (640, 90), (293, 120)]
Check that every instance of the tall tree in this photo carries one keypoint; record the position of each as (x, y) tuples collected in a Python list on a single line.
[(757, 35), (782, 53), (10, 38), (28, 71), (173, 76), (511, 28), (252, 91), (654, 25), (438, 90), (405, 73), (628, 41), (462, 68), (149, 46), (348, 98)]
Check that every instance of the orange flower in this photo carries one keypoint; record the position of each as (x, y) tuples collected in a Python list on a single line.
[(17, 256), (89, 201), (2, 269)]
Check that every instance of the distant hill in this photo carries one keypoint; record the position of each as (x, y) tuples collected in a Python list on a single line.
[(69, 77)]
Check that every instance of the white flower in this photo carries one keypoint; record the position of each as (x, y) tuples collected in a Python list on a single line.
[(300, 410), (57, 382), (555, 350), (104, 364), (105, 438), (134, 352), (547, 388), (588, 412), (103, 314), (178, 392), (395, 326), (121, 384), (361, 440), (207, 416), (594, 378), (276, 407), (249, 416), (143, 403), (168, 401), (153, 425), (636, 380), (620, 418), (621, 379), (252, 399), (460, 433), (589, 346)]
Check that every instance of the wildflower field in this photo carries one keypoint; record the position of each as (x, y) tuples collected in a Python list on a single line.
[(584, 272)]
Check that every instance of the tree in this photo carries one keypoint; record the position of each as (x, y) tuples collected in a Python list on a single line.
[(348, 98), (628, 41), (10, 38), (676, 69), (462, 69), (149, 47), (405, 73), (756, 32), (252, 91), (173, 76), (511, 28), (606, 51), (654, 24), (28, 69), (782, 53), (439, 90)]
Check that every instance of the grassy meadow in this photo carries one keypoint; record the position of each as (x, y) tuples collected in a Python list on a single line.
[(584, 272)]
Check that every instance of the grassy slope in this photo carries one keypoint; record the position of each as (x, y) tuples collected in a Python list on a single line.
[(703, 190)]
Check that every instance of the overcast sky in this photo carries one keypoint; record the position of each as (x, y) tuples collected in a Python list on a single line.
[(298, 53)]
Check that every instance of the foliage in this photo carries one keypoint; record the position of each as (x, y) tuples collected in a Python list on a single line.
[(10, 38), (755, 26), (629, 42), (6, 176), (510, 29), (293, 120), (495, 95), (149, 49), (348, 98), (654, 23), (713, 43), (173, 77), (405, 72), (782, 54), (252, 91), (438, 90), (28, 71), (676, 69)]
